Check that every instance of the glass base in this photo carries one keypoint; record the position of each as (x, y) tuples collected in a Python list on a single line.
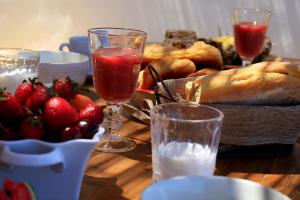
[(246, 61), (115, 144)]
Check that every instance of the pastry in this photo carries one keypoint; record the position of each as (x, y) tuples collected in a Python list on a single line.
[(230, 57), (167, 68), (201, 54), (266, 83), (153, 51)]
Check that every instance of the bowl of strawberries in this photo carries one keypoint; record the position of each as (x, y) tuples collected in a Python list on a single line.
[(47, 135)]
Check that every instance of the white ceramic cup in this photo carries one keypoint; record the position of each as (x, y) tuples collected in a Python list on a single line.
[(57, 65)]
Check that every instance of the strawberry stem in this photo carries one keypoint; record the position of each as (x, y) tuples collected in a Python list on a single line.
[(2, 90), (2, 97), (27, 111)]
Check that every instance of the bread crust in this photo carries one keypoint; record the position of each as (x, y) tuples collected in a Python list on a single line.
[(201, 72), (266, 83), (152, 52), (201, 53), (167, 67)]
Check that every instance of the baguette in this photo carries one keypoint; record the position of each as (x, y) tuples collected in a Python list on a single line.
[(201, 72), (266, 83)]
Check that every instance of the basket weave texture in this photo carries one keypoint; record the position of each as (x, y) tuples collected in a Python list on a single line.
[(251, 125)]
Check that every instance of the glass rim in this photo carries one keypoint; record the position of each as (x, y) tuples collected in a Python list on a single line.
[(93, 31), (35, 55), (256, 10), (218, 118)]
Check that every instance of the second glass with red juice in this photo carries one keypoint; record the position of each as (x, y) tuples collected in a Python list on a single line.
[(115, 73), (249, 38)]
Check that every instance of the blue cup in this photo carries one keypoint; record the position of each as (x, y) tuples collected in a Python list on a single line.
[(78, 44)]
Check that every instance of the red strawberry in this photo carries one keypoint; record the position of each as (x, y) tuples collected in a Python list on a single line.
[(32, 127), (87, 129), (16, 190), (32, 94), (38, 98), (91, 112), (70, 133), (10, 107), (59, 114), (65, 88), (3, 195), (79, 101), (23, 91)]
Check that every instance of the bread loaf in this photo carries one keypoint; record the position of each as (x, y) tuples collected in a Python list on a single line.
[(201, 54), (167, 67), (266, 83), (201, 72), (152, 52)]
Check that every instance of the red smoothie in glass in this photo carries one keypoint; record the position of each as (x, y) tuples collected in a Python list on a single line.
[(115, 73), (249, 38)]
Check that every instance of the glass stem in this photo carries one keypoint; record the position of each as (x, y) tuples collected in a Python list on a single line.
[(113, 121), (246, 62)]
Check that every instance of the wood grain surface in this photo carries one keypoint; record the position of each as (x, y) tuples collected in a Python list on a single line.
[(126, 175)]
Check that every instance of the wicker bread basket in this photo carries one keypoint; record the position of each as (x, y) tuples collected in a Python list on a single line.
[(250, 125)]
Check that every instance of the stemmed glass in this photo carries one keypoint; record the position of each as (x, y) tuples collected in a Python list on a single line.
[(116, 55), (249, 27)]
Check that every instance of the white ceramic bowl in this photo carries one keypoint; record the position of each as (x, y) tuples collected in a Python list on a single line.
[(209, 188), (55, 65), (54, 170)]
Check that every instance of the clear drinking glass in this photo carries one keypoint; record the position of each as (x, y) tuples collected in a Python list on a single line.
[(17, 65), (249, 27), (185, 139), (116, 56)]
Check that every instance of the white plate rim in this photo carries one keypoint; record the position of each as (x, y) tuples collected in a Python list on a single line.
[(163, 183)]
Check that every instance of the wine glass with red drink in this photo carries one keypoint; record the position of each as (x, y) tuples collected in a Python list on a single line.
[(116, 55), (249, 27)]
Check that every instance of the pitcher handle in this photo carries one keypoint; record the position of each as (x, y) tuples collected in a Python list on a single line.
[(52, 158)]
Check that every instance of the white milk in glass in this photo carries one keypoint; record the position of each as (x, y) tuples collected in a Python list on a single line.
[(183, 159), (11, 79)]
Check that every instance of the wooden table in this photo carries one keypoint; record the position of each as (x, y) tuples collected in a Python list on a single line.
[(126, 175)]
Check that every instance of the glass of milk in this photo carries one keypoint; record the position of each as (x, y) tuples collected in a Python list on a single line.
[(185, 139), (17, 65)]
